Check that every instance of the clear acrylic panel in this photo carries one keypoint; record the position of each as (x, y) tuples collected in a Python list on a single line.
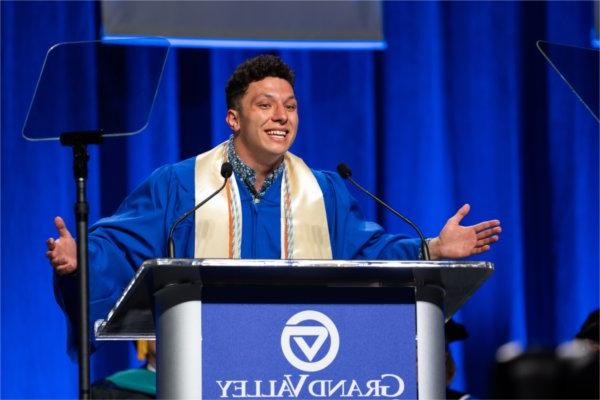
[(579, 68), (96, 86)]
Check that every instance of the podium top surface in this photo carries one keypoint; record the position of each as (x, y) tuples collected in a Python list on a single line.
[(131, 316)]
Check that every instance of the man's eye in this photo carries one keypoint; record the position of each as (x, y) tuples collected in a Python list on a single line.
[(264, 106), (291, 107)]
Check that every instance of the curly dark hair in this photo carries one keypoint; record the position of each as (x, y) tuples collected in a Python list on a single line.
[(252, 70)]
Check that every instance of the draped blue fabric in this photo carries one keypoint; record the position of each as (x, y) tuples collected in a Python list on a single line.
[(459, 108)]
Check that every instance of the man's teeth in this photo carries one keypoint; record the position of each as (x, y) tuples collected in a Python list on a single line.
[(277, 133)]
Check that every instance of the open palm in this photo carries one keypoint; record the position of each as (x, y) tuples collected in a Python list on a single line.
[(457, 241)]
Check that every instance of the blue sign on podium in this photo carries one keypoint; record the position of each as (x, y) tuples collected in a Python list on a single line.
[(308, 351)]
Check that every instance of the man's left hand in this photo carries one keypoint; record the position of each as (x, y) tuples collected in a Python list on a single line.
[(456, 241)]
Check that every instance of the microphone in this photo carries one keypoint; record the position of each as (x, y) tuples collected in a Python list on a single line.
[(226, 171), (346, 173)]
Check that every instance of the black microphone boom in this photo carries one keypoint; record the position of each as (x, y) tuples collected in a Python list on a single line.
[(346, 173), (226, 171)]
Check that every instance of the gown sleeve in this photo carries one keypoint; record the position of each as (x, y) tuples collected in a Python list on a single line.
[(352, 236), (119, 244)]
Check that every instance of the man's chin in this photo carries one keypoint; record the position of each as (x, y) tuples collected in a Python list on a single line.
[(274, 157), (278, 149)]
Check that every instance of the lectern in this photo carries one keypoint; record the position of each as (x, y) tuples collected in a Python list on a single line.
[(295, 328)]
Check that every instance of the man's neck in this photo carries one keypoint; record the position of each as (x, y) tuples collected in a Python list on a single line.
[(262, 171), (262, 168)]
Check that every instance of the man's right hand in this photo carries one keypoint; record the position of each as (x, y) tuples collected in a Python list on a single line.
[(62, 252)]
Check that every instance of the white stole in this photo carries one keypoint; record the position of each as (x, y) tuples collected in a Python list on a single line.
[(218, 223)]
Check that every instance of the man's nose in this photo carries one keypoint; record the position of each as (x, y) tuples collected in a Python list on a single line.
[(279, 114)]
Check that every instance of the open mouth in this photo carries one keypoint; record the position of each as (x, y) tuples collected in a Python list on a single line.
[(276, 133)]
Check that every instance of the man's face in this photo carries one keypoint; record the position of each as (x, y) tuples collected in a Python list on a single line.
[(266, 123)]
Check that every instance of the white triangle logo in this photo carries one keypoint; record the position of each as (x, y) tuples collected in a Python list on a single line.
[(303, 331), (302, 335)]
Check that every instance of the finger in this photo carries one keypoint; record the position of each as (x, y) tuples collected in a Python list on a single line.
[(460, 214), (486, 241), (66, 268), (58, 261), (489, 232), (63, 269), (63, 232), (486, 225), (50, 243), (479, 250)]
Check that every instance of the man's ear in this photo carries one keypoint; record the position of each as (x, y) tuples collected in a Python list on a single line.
[(232, 120)]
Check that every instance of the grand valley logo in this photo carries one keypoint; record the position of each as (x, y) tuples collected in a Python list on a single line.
[(317, 334), (310, 342)]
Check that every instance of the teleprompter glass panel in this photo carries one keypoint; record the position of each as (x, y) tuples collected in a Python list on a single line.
[(106, 86), (579, 68)]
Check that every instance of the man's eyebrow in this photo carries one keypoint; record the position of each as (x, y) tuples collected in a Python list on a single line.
[(270, 96)]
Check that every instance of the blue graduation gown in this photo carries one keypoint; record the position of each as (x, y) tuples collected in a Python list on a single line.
[(139, 230)]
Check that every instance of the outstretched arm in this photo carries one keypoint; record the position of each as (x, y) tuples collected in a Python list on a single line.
[(457, 241)]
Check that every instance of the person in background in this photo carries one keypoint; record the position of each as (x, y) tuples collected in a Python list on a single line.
[(454, 332), (589, 333), (135, 383)]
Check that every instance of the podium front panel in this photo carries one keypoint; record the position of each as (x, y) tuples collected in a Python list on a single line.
[(324, 347)]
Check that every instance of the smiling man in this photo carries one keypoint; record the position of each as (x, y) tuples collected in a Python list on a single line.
[(274, 207), (266, 112)]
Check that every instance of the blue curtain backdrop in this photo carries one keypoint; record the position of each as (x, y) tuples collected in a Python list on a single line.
[(459, 108)]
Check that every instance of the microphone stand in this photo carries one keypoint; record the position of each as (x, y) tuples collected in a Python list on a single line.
[(79, 142), (226, 171), (345, 172)]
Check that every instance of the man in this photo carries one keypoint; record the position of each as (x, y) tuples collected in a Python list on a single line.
[(274, 207)]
